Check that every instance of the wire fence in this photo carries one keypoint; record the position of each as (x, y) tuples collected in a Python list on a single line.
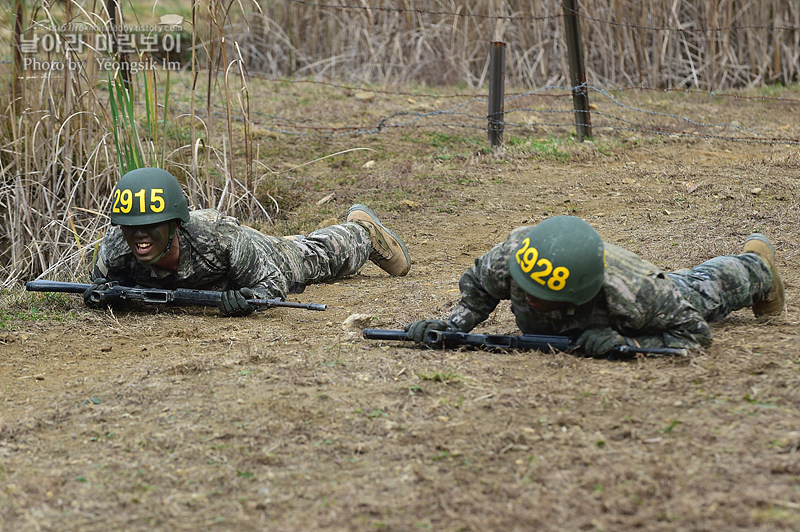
[(545, 111), (696, 49)]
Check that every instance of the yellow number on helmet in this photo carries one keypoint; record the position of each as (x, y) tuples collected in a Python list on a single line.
[(115, 208), (559, 279), (540, 275), (126, 198), (518, 254), (156, 199), (554, 278), (140, 195)]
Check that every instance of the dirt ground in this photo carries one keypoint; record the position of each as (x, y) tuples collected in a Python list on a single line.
[(178, 419)]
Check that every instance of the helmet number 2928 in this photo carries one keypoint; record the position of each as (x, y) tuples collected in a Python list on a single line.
[(541, 269), (124, 200)]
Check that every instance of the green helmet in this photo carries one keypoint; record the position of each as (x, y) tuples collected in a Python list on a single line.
[(146, 196), (561, 259)]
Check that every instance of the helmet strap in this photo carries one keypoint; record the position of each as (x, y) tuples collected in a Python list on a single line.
[(172, 227)]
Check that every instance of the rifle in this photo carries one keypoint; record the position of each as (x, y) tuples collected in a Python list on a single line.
[(112, 291), (537, 342)]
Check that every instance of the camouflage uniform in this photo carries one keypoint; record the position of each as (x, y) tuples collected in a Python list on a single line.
[(216, 253), (638, 300)]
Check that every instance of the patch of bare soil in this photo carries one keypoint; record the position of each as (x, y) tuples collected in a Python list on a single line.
[(171, 419)]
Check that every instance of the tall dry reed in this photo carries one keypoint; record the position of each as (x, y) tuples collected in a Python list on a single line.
[(65, 138), (711, 44)]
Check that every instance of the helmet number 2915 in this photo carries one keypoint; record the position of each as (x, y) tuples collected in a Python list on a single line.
[(528, 258), (123, 200)]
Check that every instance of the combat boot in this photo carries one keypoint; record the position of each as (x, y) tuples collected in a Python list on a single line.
[(388, 251), (773, 303)]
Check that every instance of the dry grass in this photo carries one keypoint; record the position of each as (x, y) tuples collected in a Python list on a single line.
[(58, 158), (179, 419)]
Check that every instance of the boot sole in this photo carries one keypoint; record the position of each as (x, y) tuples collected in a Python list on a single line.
[(777, 285), (376, 221)]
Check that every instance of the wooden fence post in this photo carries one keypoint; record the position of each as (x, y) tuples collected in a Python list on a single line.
[(577, 74), (496, 93)]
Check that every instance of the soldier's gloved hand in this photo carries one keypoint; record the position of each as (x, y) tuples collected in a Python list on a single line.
[(91, 300), (234, 302), (598, 342), (420, 328)]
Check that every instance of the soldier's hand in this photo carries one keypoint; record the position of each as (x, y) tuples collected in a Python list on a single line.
[(420, 328), (234, 302), (598, 342), (90, 299)]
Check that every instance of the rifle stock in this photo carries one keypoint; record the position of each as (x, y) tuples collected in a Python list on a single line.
[(112, 291), (537, 342)]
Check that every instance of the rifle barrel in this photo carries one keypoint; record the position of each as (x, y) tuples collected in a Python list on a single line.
[(56, 286), (385, 334)]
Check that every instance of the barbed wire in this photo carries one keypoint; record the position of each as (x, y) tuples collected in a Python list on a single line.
[(308, 126), (715, 94), (693, 28), (424, 11), (657, 113), (354, 88), (537, 92), (567, 93), (477, 120)]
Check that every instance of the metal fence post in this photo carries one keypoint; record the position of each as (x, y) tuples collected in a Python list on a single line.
[(496, 96), (577, 74)]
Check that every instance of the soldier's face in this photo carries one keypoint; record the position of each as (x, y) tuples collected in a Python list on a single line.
[(146, 241), (542, 305)]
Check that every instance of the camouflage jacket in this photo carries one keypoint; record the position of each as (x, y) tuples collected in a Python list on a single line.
[(637, 299), (216, 253)]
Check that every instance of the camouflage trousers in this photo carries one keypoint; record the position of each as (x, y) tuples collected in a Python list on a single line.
[(326, 254), (723, 284)]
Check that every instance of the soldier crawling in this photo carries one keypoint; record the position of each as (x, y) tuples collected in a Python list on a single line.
[(157, 242), (563, 279)]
